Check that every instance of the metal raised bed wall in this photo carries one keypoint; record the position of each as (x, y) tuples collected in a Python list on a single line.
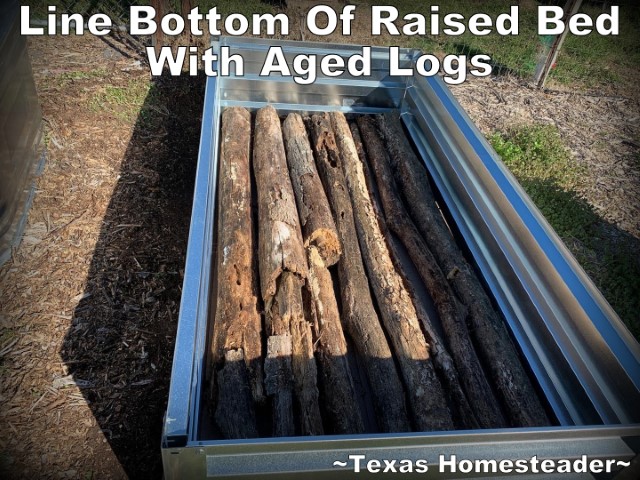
[(20, 130), (582, 356)]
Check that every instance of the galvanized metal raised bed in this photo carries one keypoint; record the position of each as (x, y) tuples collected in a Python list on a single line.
[(584, 359)]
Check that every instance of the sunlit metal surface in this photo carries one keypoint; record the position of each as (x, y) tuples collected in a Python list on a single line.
[(583, 357)]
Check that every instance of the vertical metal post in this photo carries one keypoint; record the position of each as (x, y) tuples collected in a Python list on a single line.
[(546, 63)]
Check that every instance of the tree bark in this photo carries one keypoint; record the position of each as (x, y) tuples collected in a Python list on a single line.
[(426, 397), (237, 322), (331, 351), (358, 313), (235, 413), (464, 416), (283, 266), (278, 381), (318, 227), (451, 316), (487, 327), (279, 235)]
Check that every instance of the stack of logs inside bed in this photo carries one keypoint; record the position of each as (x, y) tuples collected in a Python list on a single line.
[(319, 325)]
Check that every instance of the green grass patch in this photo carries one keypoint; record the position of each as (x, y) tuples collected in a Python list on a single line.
[(128, 101), (544, 167)]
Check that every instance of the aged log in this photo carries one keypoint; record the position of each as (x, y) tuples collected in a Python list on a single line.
[(237, 322), (426, 397), (283, 266), (331, 351), (451, 316), (278, 382), (235, 413), (487, 327), (318, 227), (280, 244), (464, 416), (358, 313)]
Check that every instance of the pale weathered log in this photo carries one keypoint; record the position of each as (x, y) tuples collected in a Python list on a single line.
[(235, 412), (426, 397), (464, 416), (278, 382), (237, 322), (358, 314), (487, 327), (279, 234), (331, 351), (318, 227), (451, 316), (283, 264)]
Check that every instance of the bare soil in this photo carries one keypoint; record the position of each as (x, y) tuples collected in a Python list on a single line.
[(89, 302)]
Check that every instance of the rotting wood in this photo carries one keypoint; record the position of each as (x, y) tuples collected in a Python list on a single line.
[(283, 266), (358, 313), (426, 397), (237, 322), (452, 317), (235, 412), (278, 381), (317, 223), (323, 249), (489, 332), (280, 245), (464, 415), (331, 351)]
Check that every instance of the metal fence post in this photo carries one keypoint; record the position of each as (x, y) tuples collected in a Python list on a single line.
[(546, 63)]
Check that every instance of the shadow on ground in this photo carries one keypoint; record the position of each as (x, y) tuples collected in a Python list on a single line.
[(120, 346)]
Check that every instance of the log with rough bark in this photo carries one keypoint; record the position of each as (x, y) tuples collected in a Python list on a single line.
[(237, 323), (235, 412), (278, 382), (358, 313), (452, 317), (337, 384), (464, 415), (318, 227), (283, 266), (426, 396), (487, 327)]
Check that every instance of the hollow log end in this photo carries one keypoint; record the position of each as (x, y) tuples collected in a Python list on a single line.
[(328, 245)]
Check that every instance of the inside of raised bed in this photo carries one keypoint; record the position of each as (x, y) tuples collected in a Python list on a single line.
[(387, 325)]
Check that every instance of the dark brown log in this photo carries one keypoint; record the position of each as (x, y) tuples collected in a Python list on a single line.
[(451, 316), (279, 235), (426, 396), (358, 313), (318, 227), (235, 414), (464, 417), (487, 327), (331, 351), (278, 382), (237, 322)]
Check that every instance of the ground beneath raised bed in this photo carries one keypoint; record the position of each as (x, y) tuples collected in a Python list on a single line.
[(89, 302)]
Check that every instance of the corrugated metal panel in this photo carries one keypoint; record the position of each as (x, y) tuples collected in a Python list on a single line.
[(21, 151)]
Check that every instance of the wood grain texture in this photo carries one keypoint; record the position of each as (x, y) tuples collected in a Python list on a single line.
[(426, 397), (488, 329), (237, 325), (358, 313), (318, 227)]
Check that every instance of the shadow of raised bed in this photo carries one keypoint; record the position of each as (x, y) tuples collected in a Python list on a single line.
[(120, 345)]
